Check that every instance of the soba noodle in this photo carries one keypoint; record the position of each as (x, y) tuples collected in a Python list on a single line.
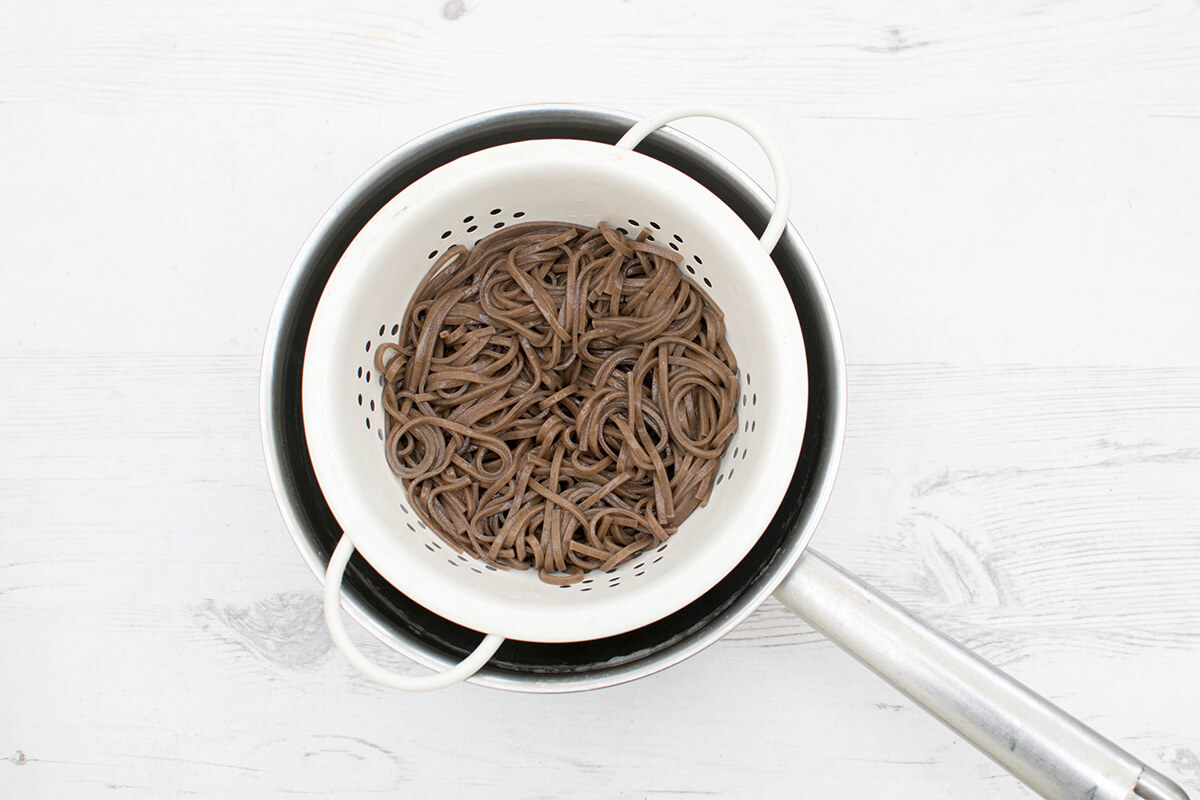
[(559, 398)]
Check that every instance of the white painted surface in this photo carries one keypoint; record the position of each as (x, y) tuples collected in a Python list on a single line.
[(1003, 200)]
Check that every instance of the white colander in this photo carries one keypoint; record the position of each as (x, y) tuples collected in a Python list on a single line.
[(459, 203)]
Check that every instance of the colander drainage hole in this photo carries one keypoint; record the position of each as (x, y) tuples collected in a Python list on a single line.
[(678, 238), (395, 329), (690, 268), (719, 479), (633, 222), (410, 527), (368, 376), (498, 225), (472, 229), (433, 255), (754, 399), (753, 425), (372, 405), (638, 574), (656, 226), (360, 372), (518, 214), (586, 589), (445, 234), (655, 561), (368, 423), (747, 428), (743, 401), (452, 562), (673, 246), (382, 328), (495, 211), (708, 283), (360, 399), (368, 346), (468, 218), (660, 549), (429, 548), (699, 260)]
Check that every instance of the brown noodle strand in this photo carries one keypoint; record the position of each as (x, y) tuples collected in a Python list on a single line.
[(558, 399)]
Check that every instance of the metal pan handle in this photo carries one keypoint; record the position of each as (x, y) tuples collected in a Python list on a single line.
[(1049, 750)]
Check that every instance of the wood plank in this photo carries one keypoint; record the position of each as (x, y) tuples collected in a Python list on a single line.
[(1000, 502), (857, 61)]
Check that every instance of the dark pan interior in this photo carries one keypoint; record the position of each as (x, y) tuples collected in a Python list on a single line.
[(393, 609)]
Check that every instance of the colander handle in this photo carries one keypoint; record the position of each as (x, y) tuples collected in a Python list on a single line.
[(783, 181), (410, 683), (1053, 753)]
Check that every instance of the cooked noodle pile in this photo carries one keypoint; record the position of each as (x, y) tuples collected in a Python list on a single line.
[(559, 398)]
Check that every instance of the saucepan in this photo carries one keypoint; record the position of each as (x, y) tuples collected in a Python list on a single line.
[(437, 607)]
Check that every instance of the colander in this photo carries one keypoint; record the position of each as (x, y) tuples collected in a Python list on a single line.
[(1043, 746), (460, 203)]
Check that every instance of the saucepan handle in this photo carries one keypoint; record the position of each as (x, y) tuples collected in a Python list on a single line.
[(1052, 752), (412, 683)]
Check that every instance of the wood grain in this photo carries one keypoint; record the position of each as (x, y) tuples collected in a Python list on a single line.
[(1067, 473), (1001, 198), (1044, 516), (936, 59)]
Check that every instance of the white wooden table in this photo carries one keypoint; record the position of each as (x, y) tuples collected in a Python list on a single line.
[(1003, 199)]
